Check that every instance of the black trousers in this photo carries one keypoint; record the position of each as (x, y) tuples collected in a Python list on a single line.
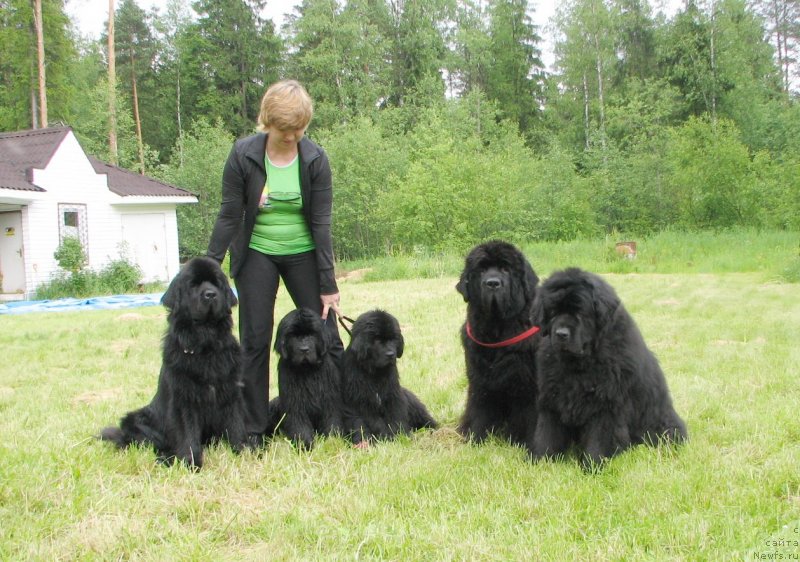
[(257, 286)]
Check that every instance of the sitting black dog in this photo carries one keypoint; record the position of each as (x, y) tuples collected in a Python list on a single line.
[(199, 394), (499, 340), (309, 383), (600, 386), (376, 406)]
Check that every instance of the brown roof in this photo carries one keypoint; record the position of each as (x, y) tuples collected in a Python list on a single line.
[(126, 183), (23, 150)]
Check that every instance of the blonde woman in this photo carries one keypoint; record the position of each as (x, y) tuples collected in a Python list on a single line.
[(275, 218)]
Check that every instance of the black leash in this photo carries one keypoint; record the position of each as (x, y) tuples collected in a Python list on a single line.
[(342, 319)]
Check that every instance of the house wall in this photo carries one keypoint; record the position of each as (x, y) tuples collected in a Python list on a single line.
[(69, 178)]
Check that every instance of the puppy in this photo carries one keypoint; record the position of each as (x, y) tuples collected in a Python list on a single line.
[(376, 406), (309, 383)]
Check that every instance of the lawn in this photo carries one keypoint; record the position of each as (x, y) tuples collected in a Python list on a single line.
[(727, 343)]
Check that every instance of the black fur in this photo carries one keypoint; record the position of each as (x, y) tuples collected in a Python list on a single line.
[(499, 286), (199, 395), (376, 406), (599, 385), (309, 383)]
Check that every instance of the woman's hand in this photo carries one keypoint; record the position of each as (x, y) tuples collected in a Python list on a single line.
[(330, 302)]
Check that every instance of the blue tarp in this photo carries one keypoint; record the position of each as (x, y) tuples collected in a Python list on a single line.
[(94, 303)]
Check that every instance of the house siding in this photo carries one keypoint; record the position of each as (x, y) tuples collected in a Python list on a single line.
[(69, 178)]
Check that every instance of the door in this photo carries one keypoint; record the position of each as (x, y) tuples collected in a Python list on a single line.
[(146, 237), (12, 263)]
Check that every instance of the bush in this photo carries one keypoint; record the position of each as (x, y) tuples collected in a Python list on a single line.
[(118, 277), (70, 255)]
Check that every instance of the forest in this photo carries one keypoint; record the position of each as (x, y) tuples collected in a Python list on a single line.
[(443, 125)]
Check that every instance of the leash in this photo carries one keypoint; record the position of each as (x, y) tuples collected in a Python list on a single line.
[(341, 319), (505, 343)]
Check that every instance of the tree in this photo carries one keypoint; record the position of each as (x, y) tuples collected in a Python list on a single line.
[(585, 53), (20, 85), (340, 53), (37, 18), (418, 50), (232, 54), (135, 55), (516, 71), (112, 87), (782, 18)]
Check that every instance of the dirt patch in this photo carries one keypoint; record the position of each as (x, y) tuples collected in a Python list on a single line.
[(131, 316), (355, 275), (95, 396)]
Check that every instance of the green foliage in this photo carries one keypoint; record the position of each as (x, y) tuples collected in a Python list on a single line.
[(117, 277), (365, 165), (19, 85), (70, 255), (711, 174), (196, 165)]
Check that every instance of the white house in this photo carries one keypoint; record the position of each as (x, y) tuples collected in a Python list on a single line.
[(50, 188)]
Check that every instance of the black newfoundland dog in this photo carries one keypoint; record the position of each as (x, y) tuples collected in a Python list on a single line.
[(600, 387), (499, 286), (376, 406), (309, 383), (199, 395)]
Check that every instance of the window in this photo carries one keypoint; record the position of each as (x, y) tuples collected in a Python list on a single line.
[(71, 218), (72, 222)]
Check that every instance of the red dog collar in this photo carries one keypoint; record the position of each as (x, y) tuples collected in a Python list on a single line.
[(505, 343)]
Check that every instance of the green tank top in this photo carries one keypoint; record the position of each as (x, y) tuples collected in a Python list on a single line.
[(281, 228)]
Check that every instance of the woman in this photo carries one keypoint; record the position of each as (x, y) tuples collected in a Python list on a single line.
[(276, 218)]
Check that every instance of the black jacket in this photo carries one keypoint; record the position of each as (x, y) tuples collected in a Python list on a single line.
[(243, 181)]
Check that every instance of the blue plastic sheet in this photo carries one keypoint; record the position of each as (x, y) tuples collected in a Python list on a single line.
[(94, 303)]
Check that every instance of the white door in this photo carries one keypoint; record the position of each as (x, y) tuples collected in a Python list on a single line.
[(12, 264), (146, 238)]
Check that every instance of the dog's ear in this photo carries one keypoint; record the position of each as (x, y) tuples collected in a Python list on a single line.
[(463, 283), (280, 338), (224, 284), (606, 304), (359, 343), (401, 344), (174, 293), (530, 280), (537, 310)]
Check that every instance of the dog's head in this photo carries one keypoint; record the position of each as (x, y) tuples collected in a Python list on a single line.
[(574, 308), (376, 340), (200, 293), (497, 279), (302, 338)]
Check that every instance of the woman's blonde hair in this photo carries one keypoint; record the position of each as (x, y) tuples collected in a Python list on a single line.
[(286, 105)]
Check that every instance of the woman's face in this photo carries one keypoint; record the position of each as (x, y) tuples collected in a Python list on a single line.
[(285, 138)]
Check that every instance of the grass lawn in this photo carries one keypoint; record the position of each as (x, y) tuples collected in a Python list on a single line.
[(727, 343)]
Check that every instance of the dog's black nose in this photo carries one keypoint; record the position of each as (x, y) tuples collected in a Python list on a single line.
[(390, 354), (209, 294), (492, 282), (304, 348), (562, 333)]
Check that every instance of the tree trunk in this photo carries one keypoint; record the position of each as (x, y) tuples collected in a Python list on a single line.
[(112, 88), (37, 19), (139, 141)]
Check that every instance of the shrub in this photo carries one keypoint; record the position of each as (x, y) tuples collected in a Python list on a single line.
[(70, 255), (117, 277)]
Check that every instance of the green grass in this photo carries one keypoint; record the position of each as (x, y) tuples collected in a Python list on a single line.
[(727, 342), (775, 253)]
